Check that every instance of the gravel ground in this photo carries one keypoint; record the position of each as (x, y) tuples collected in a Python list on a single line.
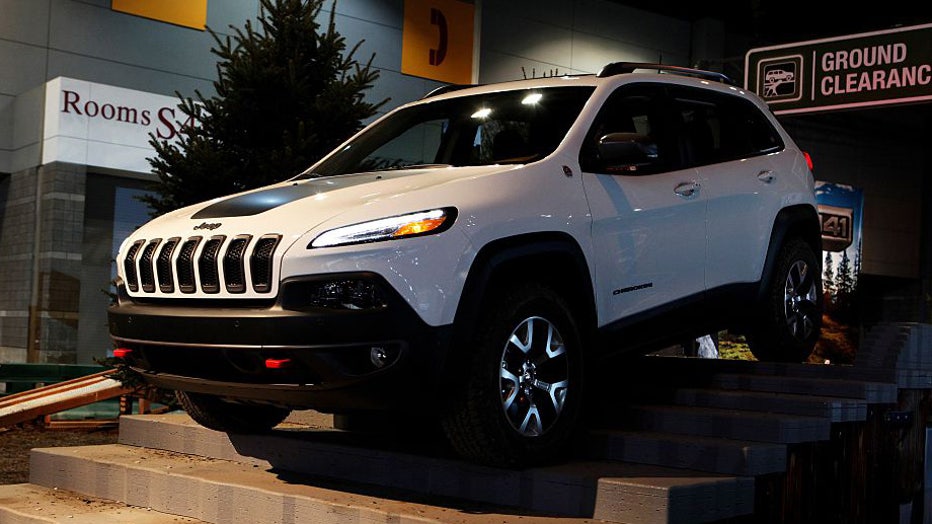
[(16, 442)]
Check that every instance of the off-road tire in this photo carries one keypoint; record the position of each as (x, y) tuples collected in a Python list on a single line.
[(481, 423), (789, 319), (215, 413)]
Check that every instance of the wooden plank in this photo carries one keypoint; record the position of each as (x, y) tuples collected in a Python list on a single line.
[(60, 397)]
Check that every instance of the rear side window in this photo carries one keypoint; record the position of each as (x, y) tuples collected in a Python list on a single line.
[(716, 127)]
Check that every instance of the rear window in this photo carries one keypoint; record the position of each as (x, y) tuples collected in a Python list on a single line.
[(718, 127)]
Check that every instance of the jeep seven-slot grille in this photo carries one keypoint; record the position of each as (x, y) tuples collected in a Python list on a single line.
[(183, 264), (260, 263), (146, 274), (164, 266), (129, 266), (207, 265), (233, 268)]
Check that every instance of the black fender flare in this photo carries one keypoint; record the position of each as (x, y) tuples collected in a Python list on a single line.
[(524, 256), (800, 221)]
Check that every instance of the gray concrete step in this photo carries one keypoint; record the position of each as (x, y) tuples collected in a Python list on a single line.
[(732, 424), (222, 491), (872, 392), (718, 455), (31, 504), (567, 489), (835, 409)]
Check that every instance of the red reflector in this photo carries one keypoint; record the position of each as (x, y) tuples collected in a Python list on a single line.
[(122, 352), (808, 160), (273, 363)]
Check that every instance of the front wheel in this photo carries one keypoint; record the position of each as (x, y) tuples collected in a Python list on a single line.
[(790, 319), (215, 413), (524, 389)]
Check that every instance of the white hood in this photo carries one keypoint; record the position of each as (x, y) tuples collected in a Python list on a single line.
[(294, 208), (289, 211)]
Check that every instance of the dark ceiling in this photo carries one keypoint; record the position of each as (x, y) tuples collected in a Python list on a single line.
[(757, 23), (771, 21)]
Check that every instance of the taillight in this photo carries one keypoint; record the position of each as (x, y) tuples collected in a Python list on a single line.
[(808, 160)]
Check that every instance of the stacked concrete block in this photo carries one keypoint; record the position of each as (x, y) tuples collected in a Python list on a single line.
[(904, 348)]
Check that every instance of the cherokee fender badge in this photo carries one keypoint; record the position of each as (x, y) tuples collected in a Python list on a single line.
[(208, 226), (633, 288)]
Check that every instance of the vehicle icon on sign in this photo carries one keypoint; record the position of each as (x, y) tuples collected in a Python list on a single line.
[(779, 75), (774, 78), (780, 79)]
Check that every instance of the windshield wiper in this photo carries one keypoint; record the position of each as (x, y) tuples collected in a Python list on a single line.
[(306, 175), (411, 166)]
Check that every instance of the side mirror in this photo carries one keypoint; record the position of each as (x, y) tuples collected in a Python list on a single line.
[(627, 152)]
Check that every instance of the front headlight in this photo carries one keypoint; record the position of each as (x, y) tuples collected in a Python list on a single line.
[(402, 226)]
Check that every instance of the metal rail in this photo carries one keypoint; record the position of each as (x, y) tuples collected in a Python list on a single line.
[(620, 68)]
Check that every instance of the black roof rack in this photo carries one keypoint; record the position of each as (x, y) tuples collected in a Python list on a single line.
[(618, 68), (446, 89)]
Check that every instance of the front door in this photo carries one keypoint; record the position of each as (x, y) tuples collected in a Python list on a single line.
[(648, 217)]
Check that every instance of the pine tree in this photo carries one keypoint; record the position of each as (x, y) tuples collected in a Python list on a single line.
[(828, 275), (857, 265), (287, 93), (845, 282)]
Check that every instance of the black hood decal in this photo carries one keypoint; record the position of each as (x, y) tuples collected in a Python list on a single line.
[(257, 202)]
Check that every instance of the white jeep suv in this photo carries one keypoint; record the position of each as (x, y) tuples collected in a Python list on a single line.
[(470, 253)]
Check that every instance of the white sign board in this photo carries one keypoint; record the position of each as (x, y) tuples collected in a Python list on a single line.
[(105, 126)]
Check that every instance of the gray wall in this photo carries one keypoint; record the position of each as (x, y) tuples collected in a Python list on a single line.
[(578, 36)]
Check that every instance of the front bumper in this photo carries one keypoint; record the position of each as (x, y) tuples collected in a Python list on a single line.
[(221, 348)]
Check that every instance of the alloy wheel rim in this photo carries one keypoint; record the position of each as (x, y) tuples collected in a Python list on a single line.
[(799, 297), (534, 376)]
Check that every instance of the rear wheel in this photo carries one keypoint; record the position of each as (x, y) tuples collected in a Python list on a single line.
[(215, 413), (790, 318), (524, 386)]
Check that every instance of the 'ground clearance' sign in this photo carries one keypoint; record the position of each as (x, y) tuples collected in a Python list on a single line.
[(867, 69)]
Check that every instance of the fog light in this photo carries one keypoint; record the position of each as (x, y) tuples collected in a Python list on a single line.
[(378, 356)]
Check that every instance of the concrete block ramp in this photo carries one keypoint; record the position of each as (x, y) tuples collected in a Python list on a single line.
[(172, 466)]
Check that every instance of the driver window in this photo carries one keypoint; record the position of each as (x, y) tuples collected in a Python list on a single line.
[(637, 113), (503, 142)]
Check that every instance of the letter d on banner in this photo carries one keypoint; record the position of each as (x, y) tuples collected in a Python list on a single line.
[(437, 41)]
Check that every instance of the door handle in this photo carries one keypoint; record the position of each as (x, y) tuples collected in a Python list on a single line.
[(686, 189), (766, 176)]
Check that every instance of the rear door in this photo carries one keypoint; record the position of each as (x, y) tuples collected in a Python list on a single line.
[(738, 156)]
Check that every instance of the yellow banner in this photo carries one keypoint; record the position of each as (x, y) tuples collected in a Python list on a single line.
[(437, 41), (188, 13)]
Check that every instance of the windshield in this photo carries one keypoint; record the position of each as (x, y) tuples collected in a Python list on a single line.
[(507, 127)]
